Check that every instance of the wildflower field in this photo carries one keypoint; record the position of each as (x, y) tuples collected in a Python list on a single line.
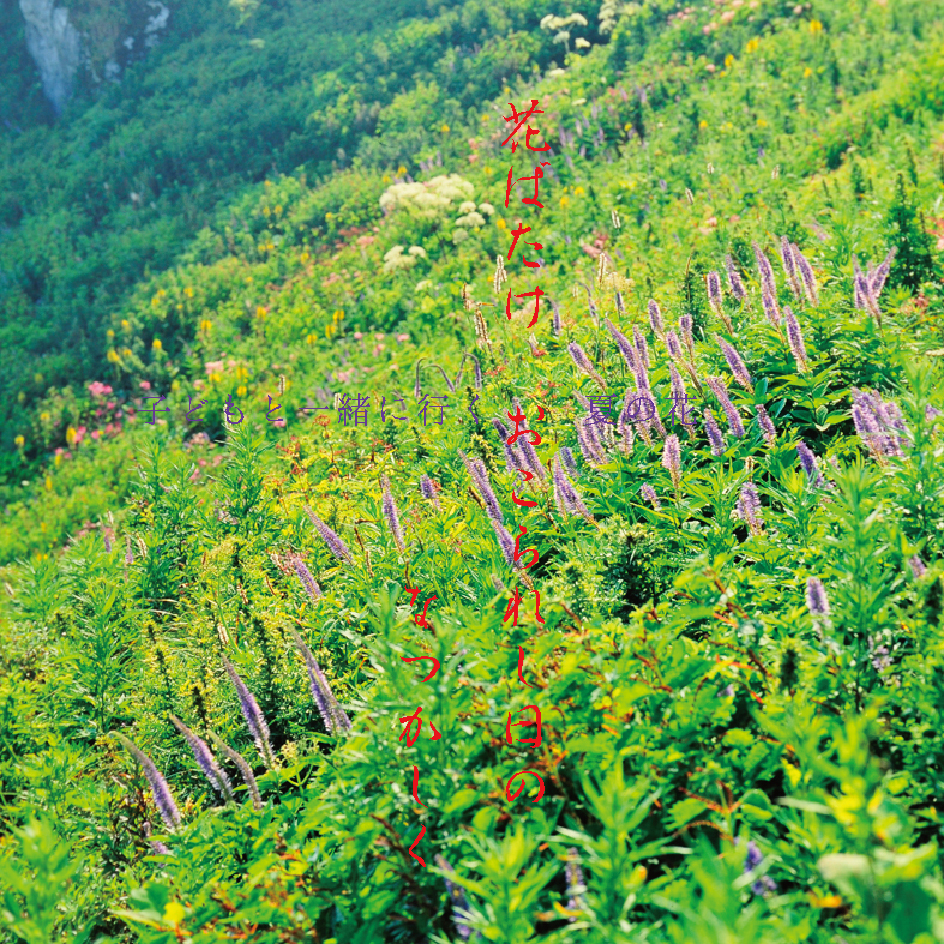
[(262, 500)]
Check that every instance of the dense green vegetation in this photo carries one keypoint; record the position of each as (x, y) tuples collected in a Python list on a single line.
[(737, 672)]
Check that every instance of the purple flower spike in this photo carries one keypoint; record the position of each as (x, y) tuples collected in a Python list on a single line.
[(218, 780), (789, 266), (428, 491), (816, 600), (768, 283), (506, 542), (649, 493), (159, 787), (567, 497), (734, 279), (673, 345), (795, 337), (255, 720), (736, 364), (567, 459), (766, 425), (556, 325), (623, 343), (806, 273), (749, 508), (730, 411), (771, 309), (390, 513), (714, 292), (715, 438), (807, 459), (655, 318), (575, 883), (917, 566), (480, 479), (334, 717), (129, 557), (580, 358), (335, 544), (641, 348), (685, 325), (671, 460), (244, 769), (304, 575)]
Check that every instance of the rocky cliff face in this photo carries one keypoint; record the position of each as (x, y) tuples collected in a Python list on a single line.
[(55, 46), (98, 39)]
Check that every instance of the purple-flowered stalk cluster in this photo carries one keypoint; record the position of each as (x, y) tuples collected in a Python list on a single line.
[(204, 757), (718, 388), (160, 789), (766, 424), (795, 339), (307, 581), (245, 770), (428, 490), (868, 286), (255, 720), (879, 424), (816, 600), (736, 364), (580, 358), (332, 714), (672, 460), (390, 513), (749, 508), (335, 544)]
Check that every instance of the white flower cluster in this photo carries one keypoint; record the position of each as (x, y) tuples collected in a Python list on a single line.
[(394, 258), (427, 199)]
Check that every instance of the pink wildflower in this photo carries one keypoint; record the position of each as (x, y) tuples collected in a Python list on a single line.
[(358, 335), (96, 434), (145, 385)]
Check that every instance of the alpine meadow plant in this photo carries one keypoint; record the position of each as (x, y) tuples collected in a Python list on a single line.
[(204, 757), (255, 720), (335, 544), (160, 789)]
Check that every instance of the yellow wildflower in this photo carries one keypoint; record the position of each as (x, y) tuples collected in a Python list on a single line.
[(445, 129), (564, 201), (386, 178), (761, 123), (70, 435), (20, 442), (807, 72), (268, 184), (48, 483), (578, 191), (125, 324), (703, 124), (501, 223), (240, 391), (260, 312), (278, 209), (488, 170), (816, 27), (401, 170), (44, 417), (109, 334), (188, 292), (728, 61), (156, 345), (304, 257)]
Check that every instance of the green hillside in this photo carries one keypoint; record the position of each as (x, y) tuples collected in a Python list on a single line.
[(286, 226)]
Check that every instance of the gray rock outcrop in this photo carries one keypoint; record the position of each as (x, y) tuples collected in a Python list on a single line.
[(55, 46)]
